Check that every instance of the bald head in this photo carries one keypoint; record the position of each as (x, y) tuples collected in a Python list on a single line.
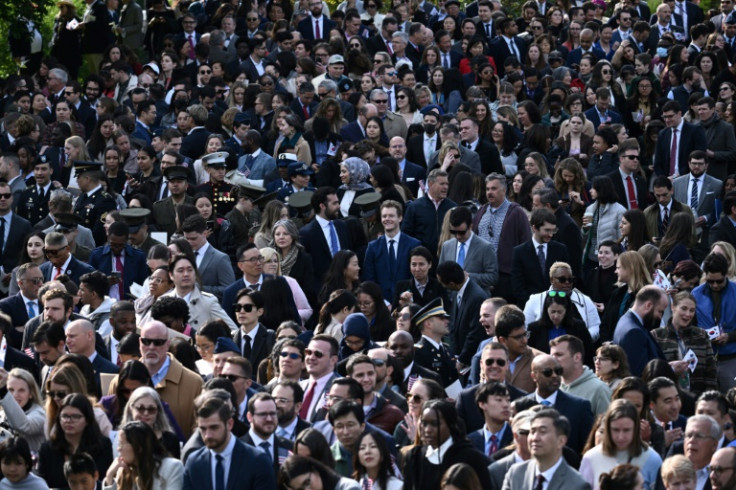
[(154, 344), (80, 337), (397, 148), (401, 345), (547, 375)]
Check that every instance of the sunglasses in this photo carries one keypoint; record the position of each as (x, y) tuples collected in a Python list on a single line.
[(56, 394), (237, 307), (548, 372), (414, 398), (315, 353), (6, 195), (606, 72), (141, 409), (631, 157), (564, 279), (379, 362), (490, 361), (559, 294), (290, 355), (51, 252), (205, 72), (156, 342), (231, 377), (458, 232), (401, 97), (716, 281)]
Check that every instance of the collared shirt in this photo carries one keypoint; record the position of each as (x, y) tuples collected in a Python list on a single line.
[(395, 238), (536, 247), (253, 284), (429, 144), (703, 476), (432, 342), (289, 432), (200, 253), (252, 334), (34, 301), (227, 455), (90, 193), (319, 389), (690, 183), (159, 375), (467, 246), (63, 267), (114, 349), (435, 456), (257, 440), (677, 150), (499, 435), (668, 207), (407, 370), (325, 225), (462, 291), (624, 176), (547, 474), (420, 287), (259, 66), (491, 223), (552, 399)]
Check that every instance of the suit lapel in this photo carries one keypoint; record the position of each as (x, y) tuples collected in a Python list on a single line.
[(558, 479), (258, 342)]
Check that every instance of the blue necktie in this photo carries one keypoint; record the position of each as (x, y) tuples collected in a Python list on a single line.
[(334, 244), (461, 255), (267, 447), (392, 255), (546, 403), (31, 310), (540, 256), (694, 196), (219, 473), (249, 162)]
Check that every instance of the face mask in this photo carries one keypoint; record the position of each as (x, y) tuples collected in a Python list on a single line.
[(429, 128), (662, 52)]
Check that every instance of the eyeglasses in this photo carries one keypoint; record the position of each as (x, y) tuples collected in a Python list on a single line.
[(267, 84), (384, 101), (290, 355), (403, 316), (600, 359), (632, 157), (537, 28), (51, 252), (559, 294), (718, 470), (355, 343), (548, 372), (6, 195), (458, 232), (238, 307), (266, 415), (723, 88), (414, 398), (334, 398), (716, 281), (606, 72), (156, 342), (71, 417), (254, 260), (252, 19), (564, 279), (34, 280), (56, 394), (402, 97), (524, 335), (315, 353), (143, 409), (231, 377), (491, 360)]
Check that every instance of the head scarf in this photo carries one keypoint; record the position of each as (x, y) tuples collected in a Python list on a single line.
[(359, 171)]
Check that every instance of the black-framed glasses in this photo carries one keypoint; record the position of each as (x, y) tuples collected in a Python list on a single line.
[(491, 361), (631, 157), (524, 335), (458, 232), (315, 353), (401, 97), (600, 359), (6, 195), (548, 372), (156, 342), (254, 260), (565, 279), (205, 72), (52, 252), (718, 470), (248, 307), (231, 377), (290, 355)]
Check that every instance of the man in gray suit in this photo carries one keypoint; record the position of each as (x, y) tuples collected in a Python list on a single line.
[(475, 255), (520, 426), (130, 27), (215, 270), (547, 437), (702, 199)]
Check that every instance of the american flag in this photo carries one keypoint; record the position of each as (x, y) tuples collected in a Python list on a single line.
[(29, 352), (366, 483), (412, 379)]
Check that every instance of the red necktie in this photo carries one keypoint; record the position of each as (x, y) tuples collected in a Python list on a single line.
[(673, 153), (306, 112), (317, 34), (632, 194), (494, 445), (304, 411), (58, 273), (191, 47), (119, 267), (388, 48)]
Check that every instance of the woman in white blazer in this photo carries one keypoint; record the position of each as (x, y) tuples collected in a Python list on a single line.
[(143, 463)]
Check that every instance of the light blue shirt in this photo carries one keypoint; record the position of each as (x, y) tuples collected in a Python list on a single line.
[(161, 373), (227, 457)]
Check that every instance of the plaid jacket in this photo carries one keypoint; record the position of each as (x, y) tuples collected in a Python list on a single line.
[(704, 377)]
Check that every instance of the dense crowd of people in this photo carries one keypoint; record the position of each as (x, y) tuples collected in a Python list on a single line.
[(369, 246)]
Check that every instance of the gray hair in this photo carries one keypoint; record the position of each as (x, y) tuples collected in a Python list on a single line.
[(328, 85), (496, 176), (404, 36), (715, 429), (61, 74), (290, 228), (376, 91), (435, 174), (56, 239), (161, 424), (217, 38)]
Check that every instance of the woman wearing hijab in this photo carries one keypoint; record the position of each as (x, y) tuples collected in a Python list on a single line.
[(354, 173), (356, 336)]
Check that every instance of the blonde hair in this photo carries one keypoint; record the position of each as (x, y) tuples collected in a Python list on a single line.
[(446, 147), (632, 261), (78, 143), (68, 375), (24, 375), (268, 253), (730, 254), (677, 466)]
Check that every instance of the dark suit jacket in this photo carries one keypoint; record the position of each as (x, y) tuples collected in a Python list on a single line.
[(469, 411), (568, 234), (306, 27), (316, 245), (580, 414), (465, 329), (639, 345), (490, 160), (102, 365), (499, 50), (261, 346), (432, 290), (280, 451), (16, 309), (352, 132), (376, 264), (527, 277), (415, 149), (592, 115), (228, 295), (19, 229), (692, 138), (642, 192), (296, 106), (722, 231), (574, 56), (16, 359), (375, 43), (479, 441), (194, 144), (411, 176), (250, 70), (75, 270), (418, 371), (135, 268), (250, 469)]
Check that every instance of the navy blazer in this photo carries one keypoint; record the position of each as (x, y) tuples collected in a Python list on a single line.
[(281, 450), (17, 359), (527, 277), (352, 132), (20, 228), (592, 115), (141, 133), (580, 414), (306, 27), (229, 293), (692, 138), (574, 57), (75, 270), (250, 469), (194, 144), (500, 50), (135, 268), (16, 309), (102, 365), (411, 176), (466, 332), (637, 342), (315, 243), (376, 263), (479, 439), (469, 411), (261, 346)]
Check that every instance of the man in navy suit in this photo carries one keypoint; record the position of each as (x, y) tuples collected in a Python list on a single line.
[(80, 339), (316, 26), (355, 131), (632, 330), (236, 465), (263, 418), (532, 259), (108, 259), (145, 119), (688, 137), (60, 260), (387, 257), (494, 401), (326, 234), (305, 106), (382, 40), (194, 143), (547, 375), (449, 58), (507, 43), (23, 306), (11, 246), (410, 172), (253, 276), (586, 46), (600, 112), (254, 340), (628, 154), (13, 357)]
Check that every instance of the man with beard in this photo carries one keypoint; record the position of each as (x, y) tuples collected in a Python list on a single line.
[(721, 149), (49, 342), (254, 163), (263, 418), (122, 321), (288, 396), (632, 331), (723, 469), (384, 373), (234, 461)]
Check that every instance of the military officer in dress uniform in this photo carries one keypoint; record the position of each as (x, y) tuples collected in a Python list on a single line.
[(140, 237), (299, 173), (164, 211), (433, 322), (219, 191), (300, 208), (94, 201), (68, 224), (33, 204), (369, 217), (244, 215)]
